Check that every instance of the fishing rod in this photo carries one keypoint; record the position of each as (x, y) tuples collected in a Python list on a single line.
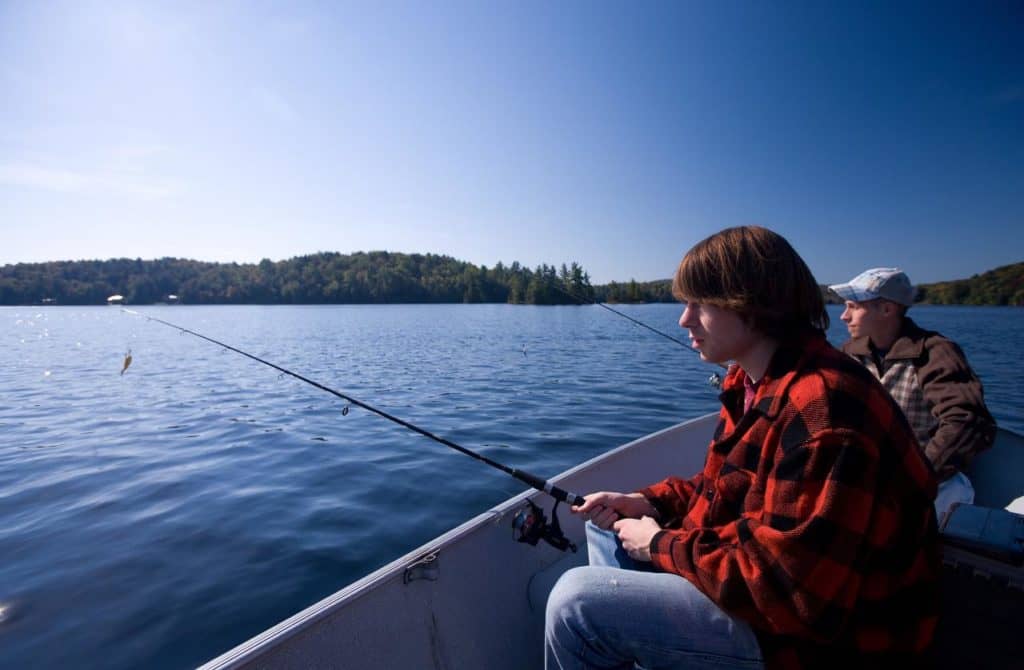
[(535, 525), (530, 523)]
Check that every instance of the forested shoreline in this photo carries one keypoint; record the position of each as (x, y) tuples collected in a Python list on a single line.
[(381, 277), (358, 278)]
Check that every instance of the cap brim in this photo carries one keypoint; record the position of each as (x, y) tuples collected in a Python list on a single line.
[(848, 292), (842, 290)]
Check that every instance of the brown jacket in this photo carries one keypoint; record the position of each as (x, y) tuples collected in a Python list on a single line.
[(938, 391)]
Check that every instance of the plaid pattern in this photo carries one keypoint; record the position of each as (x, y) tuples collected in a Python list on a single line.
[(812, 519), (900, 380), (938, 391)]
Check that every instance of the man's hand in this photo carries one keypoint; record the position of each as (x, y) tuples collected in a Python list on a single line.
[(636, 535), (606, 507)]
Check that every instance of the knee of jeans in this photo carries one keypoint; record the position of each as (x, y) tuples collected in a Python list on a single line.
[(566, 594)]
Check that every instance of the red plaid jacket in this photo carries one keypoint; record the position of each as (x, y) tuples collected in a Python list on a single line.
[(813, 519)]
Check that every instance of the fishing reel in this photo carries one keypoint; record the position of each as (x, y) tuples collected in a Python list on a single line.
[(530, 526)]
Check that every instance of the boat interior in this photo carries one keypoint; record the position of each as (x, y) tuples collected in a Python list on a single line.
[(474, 597)]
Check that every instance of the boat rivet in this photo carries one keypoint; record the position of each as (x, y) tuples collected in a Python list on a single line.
[(425, 568)]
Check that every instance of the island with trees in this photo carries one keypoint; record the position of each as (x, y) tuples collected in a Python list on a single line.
[(383, 277)]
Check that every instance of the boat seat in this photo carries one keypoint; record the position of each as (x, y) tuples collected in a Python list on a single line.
[(996, 472)]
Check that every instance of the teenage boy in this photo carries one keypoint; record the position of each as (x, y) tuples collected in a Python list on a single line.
[(809, 538)]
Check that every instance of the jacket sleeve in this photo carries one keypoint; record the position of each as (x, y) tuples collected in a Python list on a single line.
[(965, 426), (671, 497), (788, 568)]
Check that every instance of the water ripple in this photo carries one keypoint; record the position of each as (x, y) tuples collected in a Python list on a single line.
[(158, 518)]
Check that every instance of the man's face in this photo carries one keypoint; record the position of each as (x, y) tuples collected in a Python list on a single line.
[(865, 318), (719, 334)]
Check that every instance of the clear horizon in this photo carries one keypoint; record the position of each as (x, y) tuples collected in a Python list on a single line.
[(616, 137)]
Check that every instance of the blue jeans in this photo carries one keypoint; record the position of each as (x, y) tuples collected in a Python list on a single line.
[(619, 613), (957, 488)]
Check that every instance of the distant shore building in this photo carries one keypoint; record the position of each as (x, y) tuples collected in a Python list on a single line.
[(115, 299), (172, 299), (49, 301)]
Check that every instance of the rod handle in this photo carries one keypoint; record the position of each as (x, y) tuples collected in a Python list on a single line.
[(573, 499), (555, 492)]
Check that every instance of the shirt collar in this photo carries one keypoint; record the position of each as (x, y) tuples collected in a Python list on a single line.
[(788, 361), (909, 344)]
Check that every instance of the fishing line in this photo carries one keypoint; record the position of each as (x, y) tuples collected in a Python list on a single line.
[(624, 316), (532, 480), (714, 380)]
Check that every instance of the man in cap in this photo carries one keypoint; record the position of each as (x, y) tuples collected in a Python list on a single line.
[(926, 374)]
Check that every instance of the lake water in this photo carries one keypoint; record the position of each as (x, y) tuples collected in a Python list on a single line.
[(158, 518)]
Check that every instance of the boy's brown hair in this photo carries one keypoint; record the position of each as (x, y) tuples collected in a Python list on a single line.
[(756, 273)]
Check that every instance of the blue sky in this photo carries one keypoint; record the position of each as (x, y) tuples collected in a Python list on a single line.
[(609, 134)]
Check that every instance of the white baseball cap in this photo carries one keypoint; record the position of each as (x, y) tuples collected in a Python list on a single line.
[(889, 283)]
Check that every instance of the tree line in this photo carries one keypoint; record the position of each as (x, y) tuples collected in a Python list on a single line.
[(384, 277), (373, 277), (633, 291), (1001, 286)]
